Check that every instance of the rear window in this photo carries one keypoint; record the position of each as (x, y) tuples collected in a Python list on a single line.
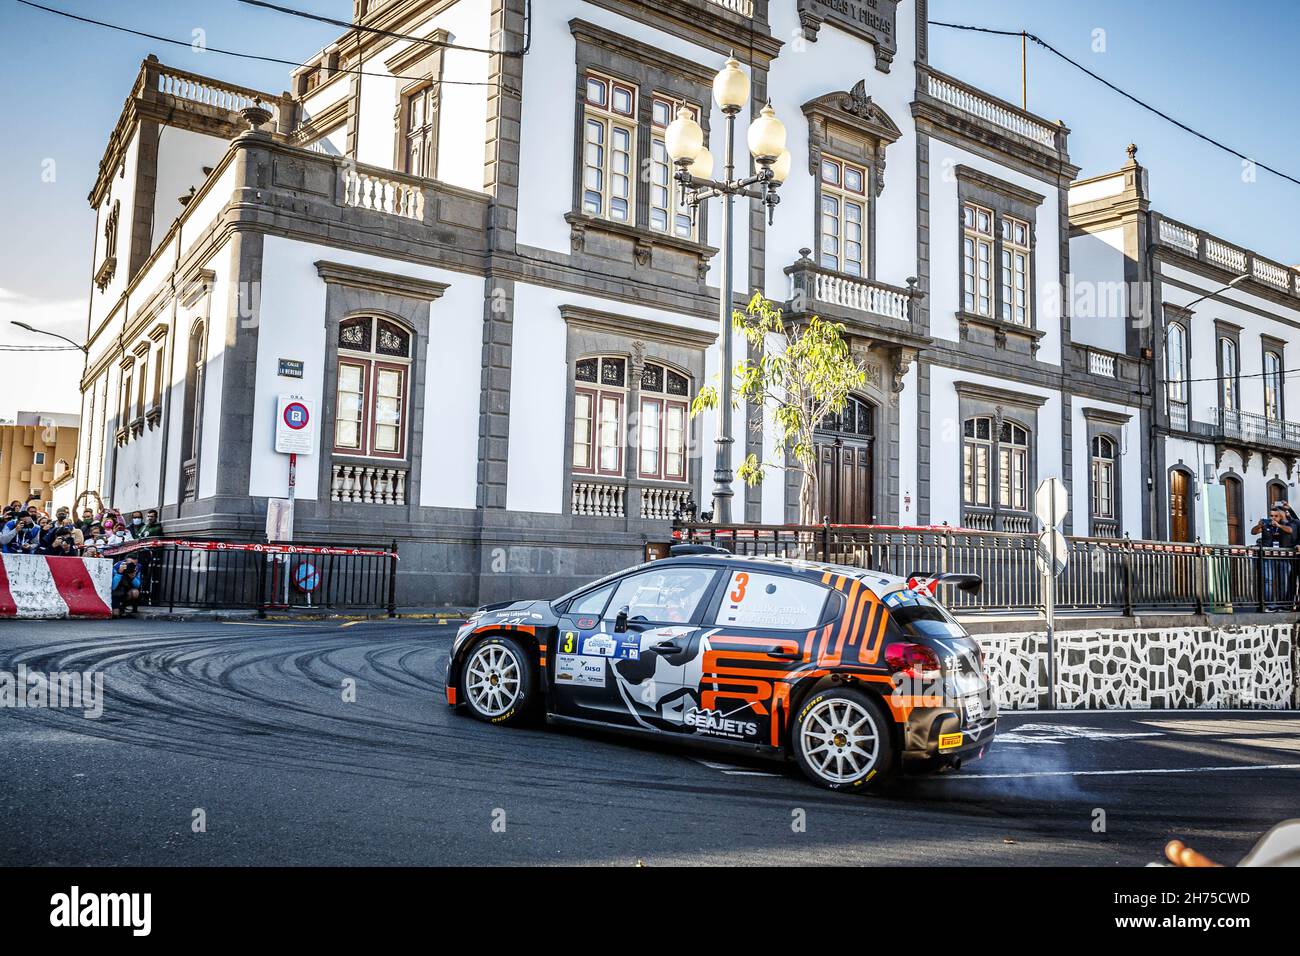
[(919, 615), (772, 601)]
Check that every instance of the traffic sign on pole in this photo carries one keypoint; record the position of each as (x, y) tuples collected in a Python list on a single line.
[(1051, 504)]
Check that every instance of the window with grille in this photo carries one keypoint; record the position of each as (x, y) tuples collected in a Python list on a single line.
[(663, 423), (371, 387), (600, 396), (609, 149), (843, 216), (995, 455)]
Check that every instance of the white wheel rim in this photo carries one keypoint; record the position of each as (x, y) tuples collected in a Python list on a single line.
[(492, 680), (840, 740)]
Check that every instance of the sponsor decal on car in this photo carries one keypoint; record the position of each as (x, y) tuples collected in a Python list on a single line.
[(949, 741), (598, 645), (717, 724), (573, 669), (586, 623)]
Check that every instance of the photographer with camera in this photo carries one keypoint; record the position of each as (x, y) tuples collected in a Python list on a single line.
[(127, 582), (1277, 530)]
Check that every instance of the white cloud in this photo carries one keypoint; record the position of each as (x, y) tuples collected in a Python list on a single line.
[(40, 381)]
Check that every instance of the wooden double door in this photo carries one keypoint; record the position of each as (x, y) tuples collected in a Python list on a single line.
[(846, 446)]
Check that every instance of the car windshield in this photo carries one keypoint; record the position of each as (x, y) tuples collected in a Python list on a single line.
[(595, 584)]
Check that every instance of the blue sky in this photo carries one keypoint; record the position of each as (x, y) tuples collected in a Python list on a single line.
[(1231, 73)]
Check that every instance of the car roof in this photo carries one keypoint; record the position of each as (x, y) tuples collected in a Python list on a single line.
[(879, 581)]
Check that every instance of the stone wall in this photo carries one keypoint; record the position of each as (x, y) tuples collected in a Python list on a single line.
[(1209, 666)]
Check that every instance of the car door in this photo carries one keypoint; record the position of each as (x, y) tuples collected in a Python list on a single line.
[(624, 664), (756, 633)]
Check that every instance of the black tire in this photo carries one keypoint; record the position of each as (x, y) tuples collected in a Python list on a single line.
[(830, 742), (498, 681)]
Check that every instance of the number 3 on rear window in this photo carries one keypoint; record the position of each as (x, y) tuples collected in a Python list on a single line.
[(741, 580)]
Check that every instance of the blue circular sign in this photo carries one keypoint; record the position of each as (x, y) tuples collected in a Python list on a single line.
[(306, 577), (296, 415)]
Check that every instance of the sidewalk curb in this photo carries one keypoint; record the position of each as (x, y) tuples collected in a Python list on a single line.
[(242, 614)]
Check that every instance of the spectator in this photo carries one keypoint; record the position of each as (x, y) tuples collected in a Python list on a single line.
[(127, 582), (151, 527), (1277, 531), (25, 537)]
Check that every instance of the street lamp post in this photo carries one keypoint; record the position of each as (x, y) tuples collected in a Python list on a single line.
[(32, 328), (684, 140)]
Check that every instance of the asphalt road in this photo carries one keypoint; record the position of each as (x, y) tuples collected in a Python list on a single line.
[(248, 723)]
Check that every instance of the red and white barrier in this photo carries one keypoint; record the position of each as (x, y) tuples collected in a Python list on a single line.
[(34, 586)]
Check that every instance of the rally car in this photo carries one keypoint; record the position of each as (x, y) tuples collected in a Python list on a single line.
[(854, 674)]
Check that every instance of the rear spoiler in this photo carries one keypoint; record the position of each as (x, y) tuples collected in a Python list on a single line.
[(929, 581)]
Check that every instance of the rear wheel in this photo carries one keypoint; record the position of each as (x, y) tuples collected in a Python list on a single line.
[(841, 740), (498, 681)]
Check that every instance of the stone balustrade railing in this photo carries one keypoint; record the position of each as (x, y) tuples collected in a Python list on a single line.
[(1101, 363), (381, 191), (607, 499), (744, 7), (663, 503), (367, 484), (204, 90), (955, 93), (598, 499), (811, 285), (1216, 252)]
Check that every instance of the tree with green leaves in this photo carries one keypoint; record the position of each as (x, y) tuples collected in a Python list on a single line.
[(802, 373)]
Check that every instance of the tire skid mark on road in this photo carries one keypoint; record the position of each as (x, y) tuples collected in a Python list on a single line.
[(206, 697)]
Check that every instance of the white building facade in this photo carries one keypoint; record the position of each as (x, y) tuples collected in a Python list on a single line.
[(1211, 325), (465, 252)]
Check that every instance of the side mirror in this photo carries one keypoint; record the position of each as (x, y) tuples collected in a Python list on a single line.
[(620, 622)]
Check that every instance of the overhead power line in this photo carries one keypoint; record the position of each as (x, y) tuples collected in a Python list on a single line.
[(189, 44), (349, 25), (1122, 92)]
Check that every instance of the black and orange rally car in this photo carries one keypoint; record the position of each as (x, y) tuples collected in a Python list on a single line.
[(854, 674)]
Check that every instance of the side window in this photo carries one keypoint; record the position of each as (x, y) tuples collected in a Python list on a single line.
[(662, 596), (754, 599), (592, 603)]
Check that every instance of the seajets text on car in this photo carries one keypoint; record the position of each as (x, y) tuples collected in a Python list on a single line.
[(75, 909)]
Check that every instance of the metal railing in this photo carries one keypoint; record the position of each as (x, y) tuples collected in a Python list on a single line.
[(1102, 575), (221, 575)]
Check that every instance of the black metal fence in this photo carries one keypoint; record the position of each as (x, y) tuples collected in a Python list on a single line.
[(1106, 575), (227, 575)]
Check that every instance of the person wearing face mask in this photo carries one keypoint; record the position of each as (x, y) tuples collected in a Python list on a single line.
[(151, 527)]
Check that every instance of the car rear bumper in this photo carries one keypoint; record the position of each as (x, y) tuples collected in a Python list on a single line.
[(935, 737)]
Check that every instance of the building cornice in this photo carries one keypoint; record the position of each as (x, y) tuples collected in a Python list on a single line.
[(1000, 396), (374, 280), (625, 325)]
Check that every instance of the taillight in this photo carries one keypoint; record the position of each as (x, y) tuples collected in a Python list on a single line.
[(912, 660)]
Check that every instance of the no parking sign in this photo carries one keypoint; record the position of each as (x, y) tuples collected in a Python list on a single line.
[(295, 425), (306, 577)]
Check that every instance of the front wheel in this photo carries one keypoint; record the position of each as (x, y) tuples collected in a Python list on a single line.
[(498, 681), (841, 741)]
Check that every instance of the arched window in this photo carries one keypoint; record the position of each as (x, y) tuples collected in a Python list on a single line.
[(600, 397), (1103, 477), (1176, 363), (662, 424), (995, 454), (1228, 370), (1273, 408), (1234, 506), (192, 425), (373, 375)]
